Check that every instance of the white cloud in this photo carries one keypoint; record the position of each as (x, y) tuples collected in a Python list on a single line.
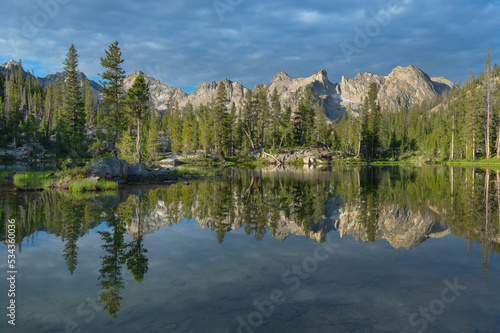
[(309, 17)]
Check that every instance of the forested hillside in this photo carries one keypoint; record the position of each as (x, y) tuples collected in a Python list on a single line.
[(67, 115)]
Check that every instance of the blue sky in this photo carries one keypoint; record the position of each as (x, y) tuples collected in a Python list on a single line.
[(184, 43)]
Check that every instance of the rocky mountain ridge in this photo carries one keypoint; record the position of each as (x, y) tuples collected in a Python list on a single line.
[(161, 95), (403, 87), (13, 66)]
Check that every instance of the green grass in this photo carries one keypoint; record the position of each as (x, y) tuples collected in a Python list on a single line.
[(492, 162), (196, 172), (90, 195), (73, 177), (88, 186), (35, 178), (200, 161), (246, 160)]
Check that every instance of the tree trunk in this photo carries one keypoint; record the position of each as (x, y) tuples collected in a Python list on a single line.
[(498, 142), (249, 138), (273, 157), (488, 129), (452, 155), (138, 143)]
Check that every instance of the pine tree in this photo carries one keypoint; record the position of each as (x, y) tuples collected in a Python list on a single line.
[(176, 129), (249, 119), (14, 103), (488, 77), (320, 126), (152, 143), (205, 128), (90, 108), (2, 116), (138, 97), (185, 136), (73, 107), (286, 128), (125, 147), (220, 120), (262, 109), (370, 122), (114, 120), (275, 117), (304, 120), (232, 126)]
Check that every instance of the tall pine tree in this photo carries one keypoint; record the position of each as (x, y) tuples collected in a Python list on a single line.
[(73, 108), (138, 97), (113, 121)]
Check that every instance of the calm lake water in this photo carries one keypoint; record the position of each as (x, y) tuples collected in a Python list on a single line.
[(387, 249)]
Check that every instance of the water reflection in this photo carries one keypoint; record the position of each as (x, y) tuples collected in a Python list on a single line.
[(404, 206)]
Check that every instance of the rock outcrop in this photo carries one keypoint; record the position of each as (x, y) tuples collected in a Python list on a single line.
[(207, 92), (10, 66), (403, 87), (291, 91), (110, 168), (353, 90), (95, 87), (162, 97)]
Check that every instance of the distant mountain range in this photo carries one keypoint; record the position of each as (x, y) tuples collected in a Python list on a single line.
[(404, 86), (12, 66)]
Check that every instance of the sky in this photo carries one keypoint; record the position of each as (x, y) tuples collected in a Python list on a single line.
[(185, 43)]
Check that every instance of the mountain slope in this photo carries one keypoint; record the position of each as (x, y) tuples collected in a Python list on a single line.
[(12, 66), (403, 87), (235, 92), (160, 94), (291, 91)]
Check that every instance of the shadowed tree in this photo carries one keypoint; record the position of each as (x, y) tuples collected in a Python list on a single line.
[(110, 278), (73, 107), (72, 213), (137, 262), (113, 96), (138, 97)]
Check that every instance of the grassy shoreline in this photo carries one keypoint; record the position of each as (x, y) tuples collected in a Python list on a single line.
[(75, 179), (61, 180)]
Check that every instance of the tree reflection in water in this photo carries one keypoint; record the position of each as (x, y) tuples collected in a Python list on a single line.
[(404, 205)]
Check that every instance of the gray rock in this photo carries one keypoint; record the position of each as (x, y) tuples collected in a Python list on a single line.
[(207, 91), (138, 173), (309, 160), (109, 168), (160, 94), (404, 86), (120, 181), (93, 179), (170, 161)]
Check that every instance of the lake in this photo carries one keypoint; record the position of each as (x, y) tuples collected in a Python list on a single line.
[(372, 249)]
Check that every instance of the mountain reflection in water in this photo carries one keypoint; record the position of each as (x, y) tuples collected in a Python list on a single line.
[(402, 205)]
